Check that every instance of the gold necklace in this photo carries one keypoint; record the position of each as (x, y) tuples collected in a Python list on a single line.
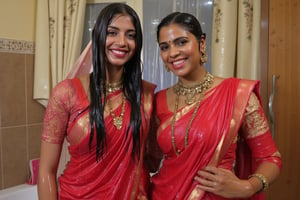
[(113, 87), (118, 121), (208, 80), (191, 91)]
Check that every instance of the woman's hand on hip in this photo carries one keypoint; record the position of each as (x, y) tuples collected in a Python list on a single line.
[(223, 182)]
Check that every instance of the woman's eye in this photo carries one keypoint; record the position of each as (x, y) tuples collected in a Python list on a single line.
[(131, 35), (111, 33), (181, 42), (163, 47)]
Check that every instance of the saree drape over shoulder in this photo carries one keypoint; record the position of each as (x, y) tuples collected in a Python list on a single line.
[(116, 175), (231, 107)]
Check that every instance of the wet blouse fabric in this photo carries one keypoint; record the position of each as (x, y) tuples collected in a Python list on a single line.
[(117, 174), (227, 109)]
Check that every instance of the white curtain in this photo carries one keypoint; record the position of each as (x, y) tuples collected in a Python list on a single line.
[(236, 38), (59, 29)]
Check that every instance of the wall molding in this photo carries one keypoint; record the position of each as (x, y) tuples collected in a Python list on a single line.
[(16, 46)]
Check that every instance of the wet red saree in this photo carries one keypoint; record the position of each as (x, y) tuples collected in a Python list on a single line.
[(212, 139), (116, 175)]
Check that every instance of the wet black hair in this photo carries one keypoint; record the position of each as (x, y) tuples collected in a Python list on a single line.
[(185, 20), (132, 78)]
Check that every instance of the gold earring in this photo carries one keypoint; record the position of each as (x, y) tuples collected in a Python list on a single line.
[(203, 57)]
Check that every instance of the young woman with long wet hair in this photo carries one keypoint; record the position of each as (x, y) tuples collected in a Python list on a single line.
[(103, 115)]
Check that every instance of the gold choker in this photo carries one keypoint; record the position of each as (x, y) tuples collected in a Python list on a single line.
[(113, 87), (191, 91)]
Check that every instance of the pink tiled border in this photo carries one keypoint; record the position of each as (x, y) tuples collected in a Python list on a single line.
[(16, 46)]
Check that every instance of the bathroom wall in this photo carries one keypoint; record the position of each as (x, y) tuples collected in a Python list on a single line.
[(20, 116)]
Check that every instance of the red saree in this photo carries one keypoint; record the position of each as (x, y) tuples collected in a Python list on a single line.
[(116, 175), (212, 139)]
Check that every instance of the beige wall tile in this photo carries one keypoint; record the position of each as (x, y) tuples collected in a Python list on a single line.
[(12, 87), (15, 164), (21, 118), (35, 111), (1, 159), (34, 140)]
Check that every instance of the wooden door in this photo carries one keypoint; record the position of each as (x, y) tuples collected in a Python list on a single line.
[(284, 63)]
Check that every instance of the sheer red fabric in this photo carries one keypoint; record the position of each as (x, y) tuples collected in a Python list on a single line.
[(117, 174), (212, 139)]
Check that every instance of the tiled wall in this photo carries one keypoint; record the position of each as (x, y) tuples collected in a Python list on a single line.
[(20, 116)]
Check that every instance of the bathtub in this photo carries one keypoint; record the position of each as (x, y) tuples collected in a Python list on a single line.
[(19, 192)]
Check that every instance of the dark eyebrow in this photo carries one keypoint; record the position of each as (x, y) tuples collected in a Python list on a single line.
[(116, 28), (174, 41), (113, 27)]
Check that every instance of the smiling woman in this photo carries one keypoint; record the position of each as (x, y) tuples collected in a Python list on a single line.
[(212, 131), (106, 115), (153, 12), (120, 41)]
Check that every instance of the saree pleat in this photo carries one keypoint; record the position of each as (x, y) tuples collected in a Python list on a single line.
[(175, 179)]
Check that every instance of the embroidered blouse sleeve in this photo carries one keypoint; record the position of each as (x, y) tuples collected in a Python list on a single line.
[(255, 122), (256, 132), (57, 112)]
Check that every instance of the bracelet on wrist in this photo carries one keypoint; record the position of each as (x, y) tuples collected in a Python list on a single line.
[(263, 180)]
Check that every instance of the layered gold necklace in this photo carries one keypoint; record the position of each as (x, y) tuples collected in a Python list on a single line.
[(110, 88), (190, 93)]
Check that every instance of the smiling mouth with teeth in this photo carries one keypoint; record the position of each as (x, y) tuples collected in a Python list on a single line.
[(178, 64), (118, 53)]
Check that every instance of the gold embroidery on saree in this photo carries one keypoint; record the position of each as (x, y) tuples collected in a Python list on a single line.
[(255, 122), (61, 100), (195, 194)]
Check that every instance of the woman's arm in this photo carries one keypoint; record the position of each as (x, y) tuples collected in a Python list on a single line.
[(264, 152), (49, 159), (56, 119), (265, 158), (266, 171), (225, 183)]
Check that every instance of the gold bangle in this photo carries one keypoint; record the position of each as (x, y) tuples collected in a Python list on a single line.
[(263, 180)]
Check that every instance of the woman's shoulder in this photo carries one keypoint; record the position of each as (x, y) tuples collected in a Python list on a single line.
[(242, 86), (84, 82), (70, 87), (148, 87), (62, 87), (234, 80), (161, 96)]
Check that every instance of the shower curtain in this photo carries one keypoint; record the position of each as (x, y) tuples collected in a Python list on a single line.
[(59, 27), (236, 38)]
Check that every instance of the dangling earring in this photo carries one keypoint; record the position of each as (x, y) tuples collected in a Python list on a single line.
[(167, 68), (203, 56)]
